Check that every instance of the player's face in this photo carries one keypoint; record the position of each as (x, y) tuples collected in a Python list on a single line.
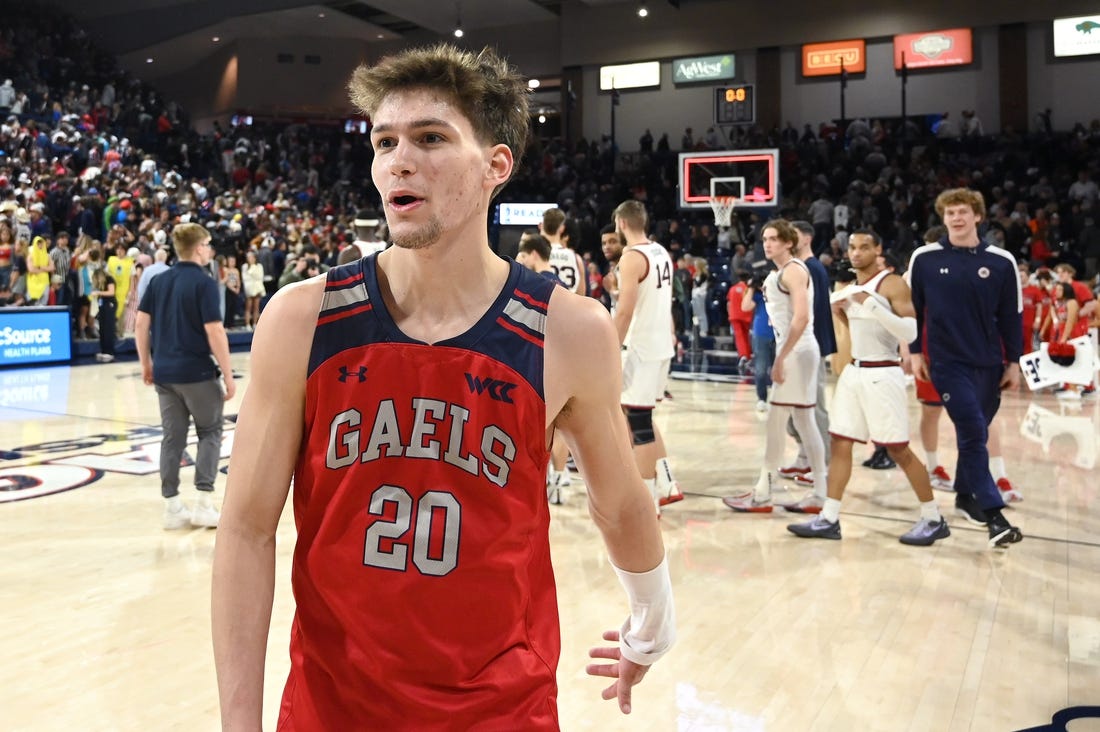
[(773, 245), (433, 174), (612, 247), (1023, 276), (961, 221), (863, 252)]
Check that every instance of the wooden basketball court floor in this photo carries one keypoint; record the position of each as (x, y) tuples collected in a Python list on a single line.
[(106, 616)]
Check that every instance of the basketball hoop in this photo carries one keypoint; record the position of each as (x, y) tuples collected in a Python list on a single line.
[(723, 209)]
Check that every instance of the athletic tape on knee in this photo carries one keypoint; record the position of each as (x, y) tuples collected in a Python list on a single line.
[(641, 424)]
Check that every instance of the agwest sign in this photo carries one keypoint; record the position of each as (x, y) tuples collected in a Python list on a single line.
[(702, 68)]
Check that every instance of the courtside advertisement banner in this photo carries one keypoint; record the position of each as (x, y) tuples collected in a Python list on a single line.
[(30, 336), (1077, 36), (829, 59), (954, 47)]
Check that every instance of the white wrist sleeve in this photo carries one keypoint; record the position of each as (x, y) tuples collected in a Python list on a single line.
[(904, 329), (650, 630)]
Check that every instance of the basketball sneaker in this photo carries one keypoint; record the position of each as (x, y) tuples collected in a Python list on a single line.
[(668, 488), (798, 467), (1002, 533), (809, 504), (761, 406), (940, 480), (805, 480), (553, 494), (925, 533), (967, 506), (818, 527), (1009, 492), (746, 503), (178, 519), (205, 517)]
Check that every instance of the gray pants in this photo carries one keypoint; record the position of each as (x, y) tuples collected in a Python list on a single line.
[(821, 416), (179, 403)]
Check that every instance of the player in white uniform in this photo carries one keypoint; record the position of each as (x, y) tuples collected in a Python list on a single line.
[(870, 401), (366, 233), (566, 263), (788, 293), (643, 319)]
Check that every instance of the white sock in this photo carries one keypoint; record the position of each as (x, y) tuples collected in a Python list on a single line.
[(930, 510), (763, 489), (205, 500), (933, 460), (831, 510), (175, 505), (997, 467), (664, 474)]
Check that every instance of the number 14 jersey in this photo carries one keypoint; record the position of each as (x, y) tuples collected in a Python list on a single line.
[(650, 331), (425, 595)]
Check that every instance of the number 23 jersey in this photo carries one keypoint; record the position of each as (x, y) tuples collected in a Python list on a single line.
[(425, 595)]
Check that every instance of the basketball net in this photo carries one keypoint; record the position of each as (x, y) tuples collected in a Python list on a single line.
[(723, 209)]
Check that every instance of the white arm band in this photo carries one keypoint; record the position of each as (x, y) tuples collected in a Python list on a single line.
[(650, 630), (904, 329)]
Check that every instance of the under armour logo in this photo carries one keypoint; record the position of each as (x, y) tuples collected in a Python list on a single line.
[(346, 374), (498, 390), (944, 270)]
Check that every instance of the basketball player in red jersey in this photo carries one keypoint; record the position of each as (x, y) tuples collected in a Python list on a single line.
[(411, 395)]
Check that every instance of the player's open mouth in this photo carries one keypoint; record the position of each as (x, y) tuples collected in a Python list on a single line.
[(404, 201)]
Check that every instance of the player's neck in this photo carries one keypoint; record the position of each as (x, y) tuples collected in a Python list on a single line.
[(635, 238), (863, 275), (441, 283), (966, 241)]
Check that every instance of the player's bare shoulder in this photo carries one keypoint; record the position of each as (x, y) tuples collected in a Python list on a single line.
[(289, 319)]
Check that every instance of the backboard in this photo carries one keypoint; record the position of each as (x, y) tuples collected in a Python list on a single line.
[(750, 175)]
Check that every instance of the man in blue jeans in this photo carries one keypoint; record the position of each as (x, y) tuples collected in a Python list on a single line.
[(178, 328), (968, 303), (762, 337)]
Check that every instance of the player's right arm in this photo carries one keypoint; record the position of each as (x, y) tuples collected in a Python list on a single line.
[(633, 267), (265, 448)]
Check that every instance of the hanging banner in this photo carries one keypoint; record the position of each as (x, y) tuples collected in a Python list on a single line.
[(829, 59), (953, 47)]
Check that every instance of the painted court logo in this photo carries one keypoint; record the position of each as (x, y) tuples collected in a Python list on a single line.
[(42, 469)]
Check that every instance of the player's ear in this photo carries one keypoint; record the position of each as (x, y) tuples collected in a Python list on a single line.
[(500, 165)]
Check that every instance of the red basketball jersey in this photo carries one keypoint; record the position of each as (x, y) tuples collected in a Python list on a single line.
[(425, 595)]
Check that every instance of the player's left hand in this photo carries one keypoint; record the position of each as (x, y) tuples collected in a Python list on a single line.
[(777, 372), (1011, 377), (626, 673)]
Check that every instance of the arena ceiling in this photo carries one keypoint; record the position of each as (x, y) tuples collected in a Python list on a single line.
[(178, 33)]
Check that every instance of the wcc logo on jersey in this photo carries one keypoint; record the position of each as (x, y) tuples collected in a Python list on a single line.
[(497, 390)]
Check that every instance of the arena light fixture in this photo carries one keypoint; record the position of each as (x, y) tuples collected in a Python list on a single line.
[(643, 11), (458, 20), (533, 83)]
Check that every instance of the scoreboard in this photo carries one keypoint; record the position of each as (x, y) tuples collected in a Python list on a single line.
[(734, 105)]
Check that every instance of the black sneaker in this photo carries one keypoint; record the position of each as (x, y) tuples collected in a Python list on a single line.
[(966, 505), (883, 461), (1002, 533)]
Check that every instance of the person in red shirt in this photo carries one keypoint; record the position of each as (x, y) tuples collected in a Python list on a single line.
[(1033, 297), (1066, 273), (411, 395), (740, 319)]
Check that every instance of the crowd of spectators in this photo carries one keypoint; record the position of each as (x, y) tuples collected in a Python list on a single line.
[(99, 166)]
